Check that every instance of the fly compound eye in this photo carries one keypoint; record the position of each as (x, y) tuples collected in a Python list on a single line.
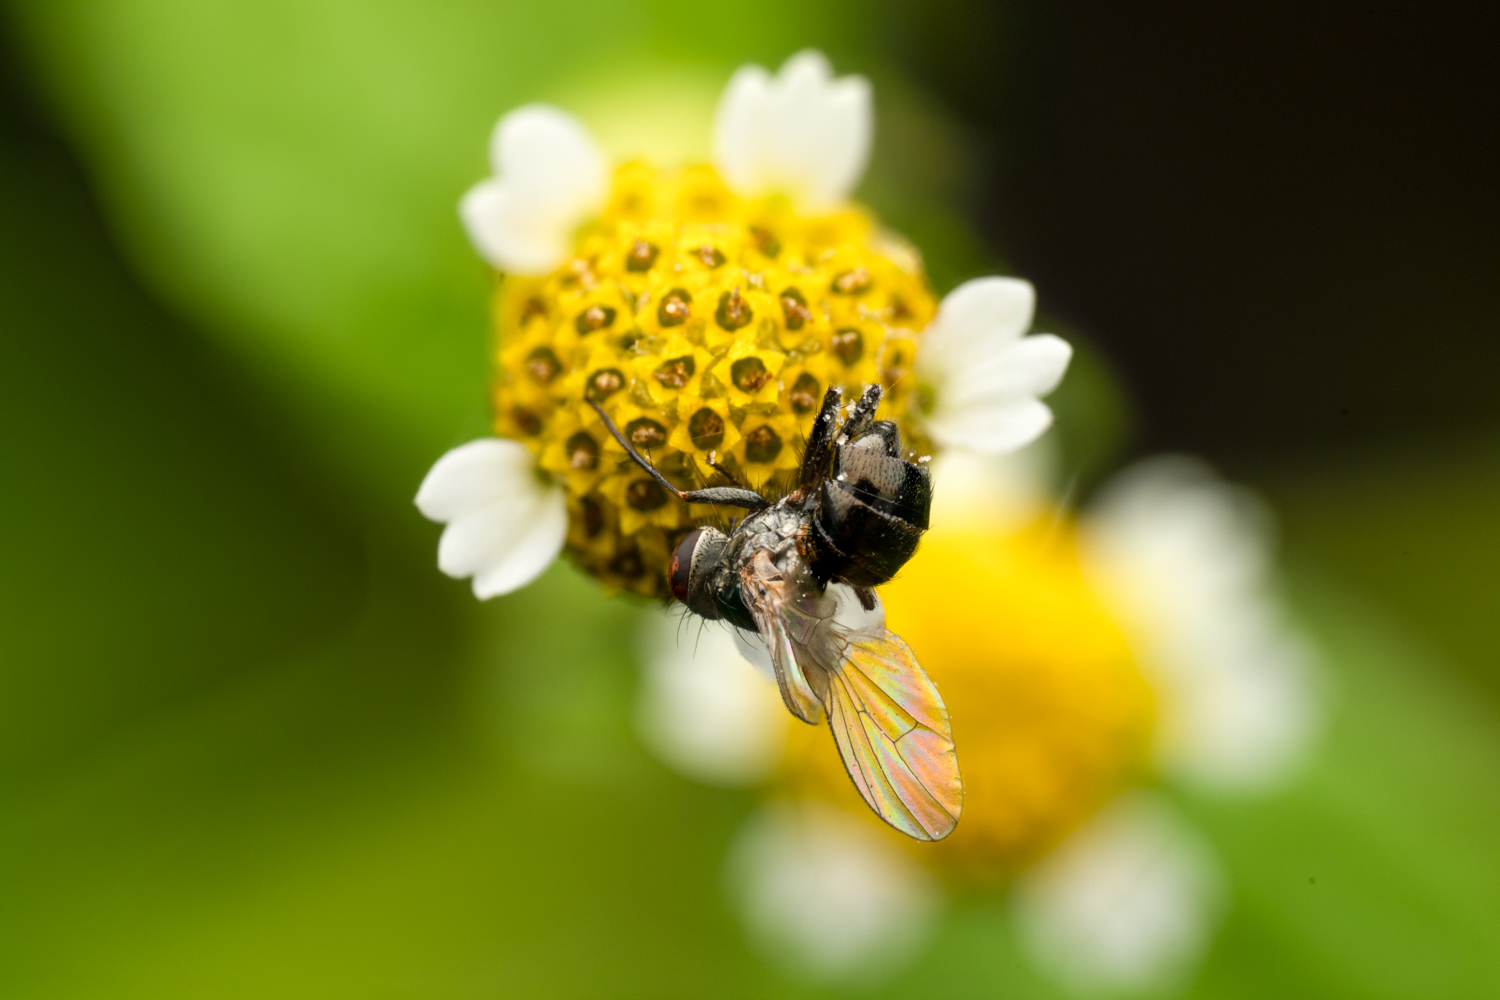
[(681, 568)]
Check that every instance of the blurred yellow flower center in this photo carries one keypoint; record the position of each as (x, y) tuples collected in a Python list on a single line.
[(708, 326), (1050, 714)]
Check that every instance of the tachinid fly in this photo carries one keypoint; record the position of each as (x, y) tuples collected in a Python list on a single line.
[(854, 519)]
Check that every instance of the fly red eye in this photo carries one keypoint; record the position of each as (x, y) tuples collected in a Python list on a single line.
[(682, 564)]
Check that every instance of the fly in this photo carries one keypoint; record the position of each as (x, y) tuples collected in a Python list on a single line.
[(854, 519)]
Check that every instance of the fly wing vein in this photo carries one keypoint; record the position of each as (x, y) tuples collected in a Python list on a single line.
[(892, 730)]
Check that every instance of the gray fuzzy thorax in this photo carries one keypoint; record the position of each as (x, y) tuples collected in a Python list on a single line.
[(774, 531)]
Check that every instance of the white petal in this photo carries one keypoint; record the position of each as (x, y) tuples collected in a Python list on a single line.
[(505, 526), (471, 476), (992, 432), (512, 234), (742, 127), (1030, 367), (532, 553), (801, 133), (702, 709), (1127, 903), (1185, 561), (1242, 722), (828, 895), (827, 129), (979, 314), (479, 538), (550, 177), (984, 374), (549, 153)]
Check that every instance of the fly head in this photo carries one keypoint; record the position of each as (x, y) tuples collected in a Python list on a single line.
[(692, 564)]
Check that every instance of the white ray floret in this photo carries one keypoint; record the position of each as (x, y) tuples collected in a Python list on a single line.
[(801, 133), (703, 709), (1185, 559), (504, 524), (549, 179), (1128, 903), (828, 895), (984, 375)]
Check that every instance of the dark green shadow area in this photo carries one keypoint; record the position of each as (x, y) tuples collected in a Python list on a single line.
[(168, 564), (159, 542), (1416, 527)]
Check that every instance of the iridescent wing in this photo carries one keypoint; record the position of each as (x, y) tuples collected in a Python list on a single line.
[(893, 733), (888, 720), (774, 603)]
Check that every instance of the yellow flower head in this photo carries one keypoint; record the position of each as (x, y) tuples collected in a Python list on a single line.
[(710, 307), (679, 313)]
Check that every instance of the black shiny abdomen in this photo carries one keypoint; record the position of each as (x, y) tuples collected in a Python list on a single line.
[(871, 511)]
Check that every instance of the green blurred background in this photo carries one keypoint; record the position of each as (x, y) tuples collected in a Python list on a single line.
[(253, 744)]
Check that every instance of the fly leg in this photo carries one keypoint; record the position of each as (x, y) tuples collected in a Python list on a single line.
[(721, 470), (862, 417), (818, 456)]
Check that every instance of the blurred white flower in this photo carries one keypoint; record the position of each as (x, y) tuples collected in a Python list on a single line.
[(549, 179), (708, 706), (994, 492), (703, 709), (984, 374), (505, 525), (1185, 560), (1127, 903), (801, 133), (828, 895), (1130, 901)]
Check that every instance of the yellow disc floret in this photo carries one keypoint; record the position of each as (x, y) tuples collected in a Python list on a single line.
[(708, 327)]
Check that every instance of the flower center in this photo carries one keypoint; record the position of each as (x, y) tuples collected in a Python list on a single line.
[(708, 326)]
